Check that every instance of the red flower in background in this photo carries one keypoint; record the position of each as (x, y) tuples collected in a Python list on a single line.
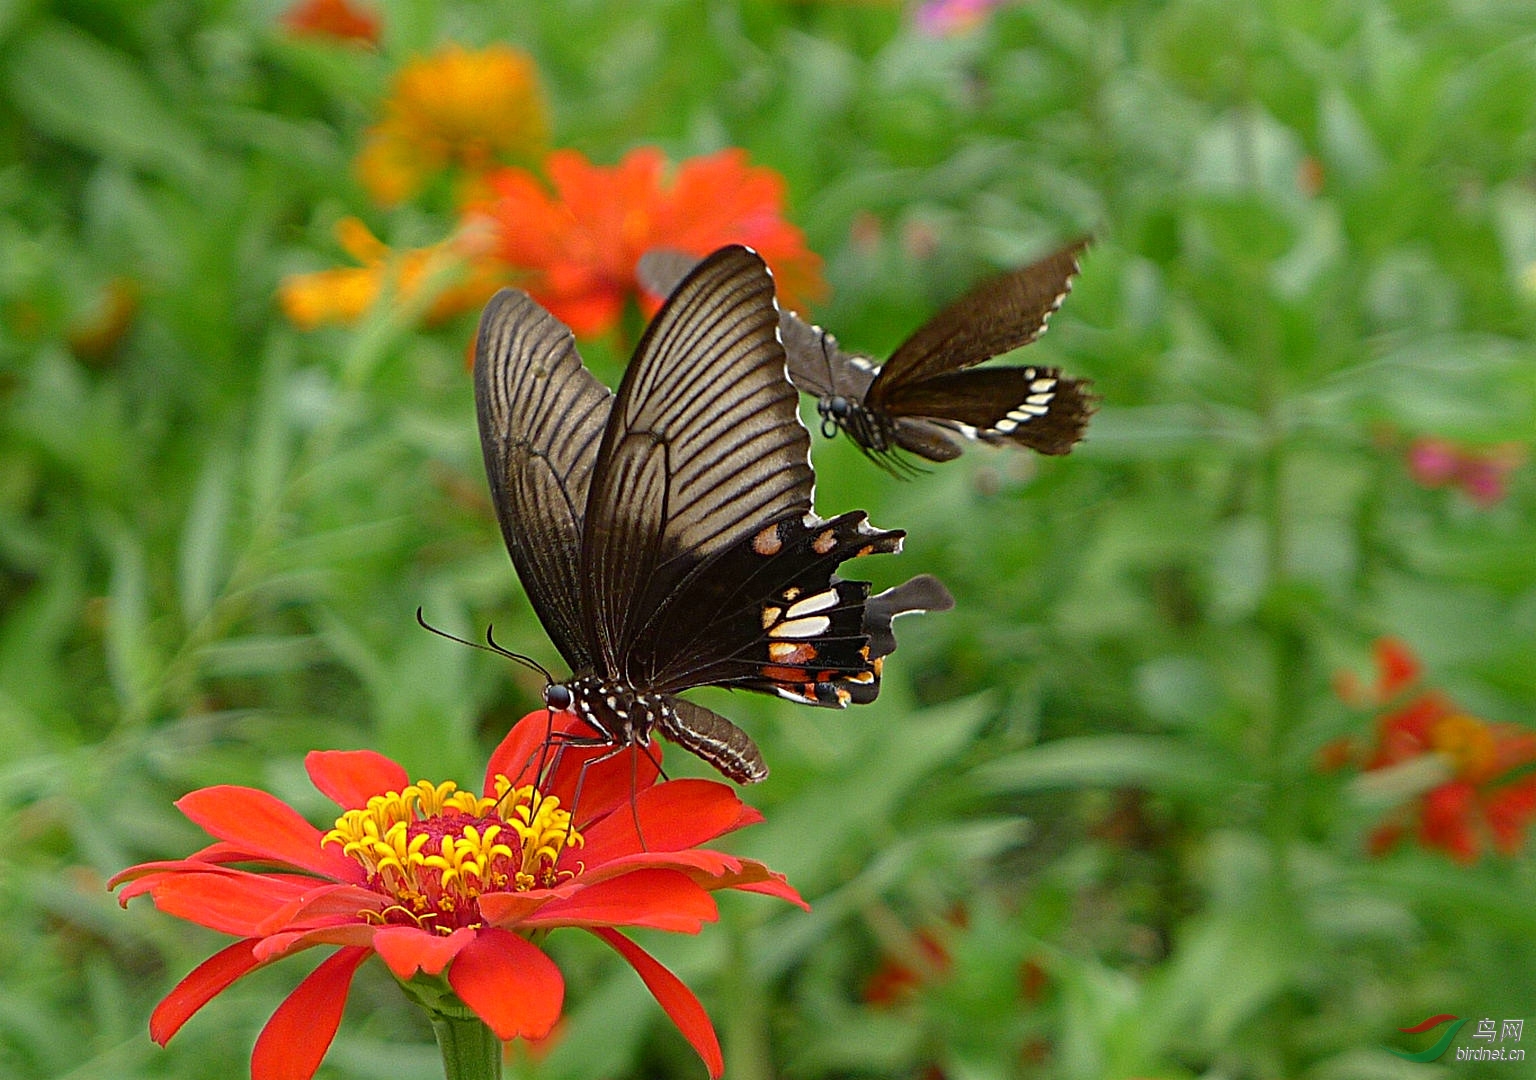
[(580, 243), (1490, 795), (1480, 473), (436, 881), (338, 19)]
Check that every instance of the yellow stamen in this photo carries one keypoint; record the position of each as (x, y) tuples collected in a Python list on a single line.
[(434, 849)]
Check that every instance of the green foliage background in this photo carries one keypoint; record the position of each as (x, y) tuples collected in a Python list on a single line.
[(213, 539)]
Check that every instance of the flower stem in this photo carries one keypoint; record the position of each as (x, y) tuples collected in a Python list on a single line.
[(471, 1051)]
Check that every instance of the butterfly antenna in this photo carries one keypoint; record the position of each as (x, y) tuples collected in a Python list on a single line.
[(491, 647)]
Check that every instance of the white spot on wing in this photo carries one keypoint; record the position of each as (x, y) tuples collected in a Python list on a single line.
[(802, 628), (811, 604)]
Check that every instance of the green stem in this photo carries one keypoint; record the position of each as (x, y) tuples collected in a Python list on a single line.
[(471, 1051)]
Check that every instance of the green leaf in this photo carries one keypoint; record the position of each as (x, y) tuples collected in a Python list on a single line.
[(1090, 761), (83, 92), (202, 556), (130, 656)]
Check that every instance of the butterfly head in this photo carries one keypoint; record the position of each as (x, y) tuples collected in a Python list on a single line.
[(834, 410), (557, 697)]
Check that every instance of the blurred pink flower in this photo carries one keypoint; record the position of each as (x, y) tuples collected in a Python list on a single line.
[(946, 18), (1478, 472)]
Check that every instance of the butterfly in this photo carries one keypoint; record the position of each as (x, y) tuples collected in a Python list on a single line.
[(664, 533), (926, 393)]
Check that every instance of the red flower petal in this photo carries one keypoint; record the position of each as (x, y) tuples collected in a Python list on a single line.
[(230, 902), (1445, 821), (674, 997), (1397, 668), (267, 826), (509, 908), (711, 870), (351, 777), (325, 904), (1510, 811), (407, 949), (778, 886), (517, 758), (674, 816), (202, 985), (276, 946), (295, 1040), (660, 899), (605, 785), (509, 983)]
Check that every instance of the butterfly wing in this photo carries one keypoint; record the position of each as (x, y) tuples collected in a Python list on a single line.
[(997, 316), (759, 608), (1032, 406), (817, 366), (703, 445), (542, 416)]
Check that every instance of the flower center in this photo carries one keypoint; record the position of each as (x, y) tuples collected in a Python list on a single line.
[(1468, 743), (434, 850)]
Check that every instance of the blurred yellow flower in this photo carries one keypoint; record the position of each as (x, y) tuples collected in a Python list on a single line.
[(344, 295), (469, 110)]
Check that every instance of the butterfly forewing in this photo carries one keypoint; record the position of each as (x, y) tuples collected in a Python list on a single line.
[(703, 446), (541, 416), (997, 316), (816, 365)]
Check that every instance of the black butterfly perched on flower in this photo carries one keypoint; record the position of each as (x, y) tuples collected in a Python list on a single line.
[(927, 392), (665, 534)]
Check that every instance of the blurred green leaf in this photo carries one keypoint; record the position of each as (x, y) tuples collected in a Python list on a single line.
[(130, 650), (86, 93), (203, 558), (1147, 761)]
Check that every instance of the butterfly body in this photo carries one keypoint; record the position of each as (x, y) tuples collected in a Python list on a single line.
[(664, 534), (930, 392)]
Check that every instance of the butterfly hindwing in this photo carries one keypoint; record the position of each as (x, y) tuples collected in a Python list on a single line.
[(1033, 406), (541, 417)]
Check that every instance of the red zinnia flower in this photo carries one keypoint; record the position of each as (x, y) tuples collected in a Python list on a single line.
[(437, 880), (1487, 796), (581, 244), (338, 19)]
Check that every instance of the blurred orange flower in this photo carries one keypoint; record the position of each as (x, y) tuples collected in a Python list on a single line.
[(460, 109), (581, 244), (1490, 795), (95, 332), (345, 294), (338, 19)]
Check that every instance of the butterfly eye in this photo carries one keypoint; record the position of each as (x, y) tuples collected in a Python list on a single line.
[(557, 697), (837, 407)]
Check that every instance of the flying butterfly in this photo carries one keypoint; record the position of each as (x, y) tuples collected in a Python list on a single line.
[(664, 533), (926, 394)]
